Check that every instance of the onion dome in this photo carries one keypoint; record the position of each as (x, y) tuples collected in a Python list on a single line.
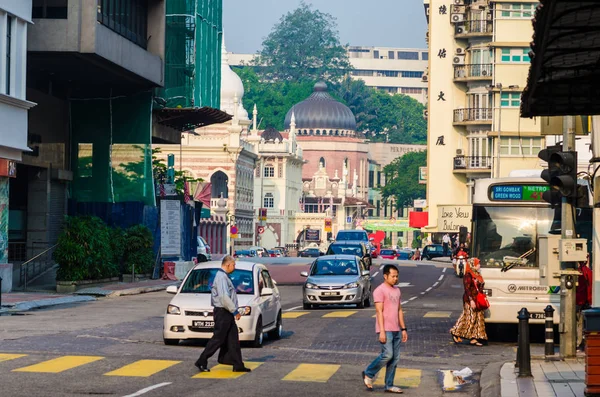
[(271, 134)]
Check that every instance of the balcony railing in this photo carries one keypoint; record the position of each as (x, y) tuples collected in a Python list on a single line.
[(471, 28), (474, 71), (472, 162), (472, 114)]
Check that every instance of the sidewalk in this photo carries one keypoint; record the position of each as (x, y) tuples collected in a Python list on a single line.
[(23, 301)]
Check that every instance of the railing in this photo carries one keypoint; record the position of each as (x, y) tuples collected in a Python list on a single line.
[(474, 70), (472, 162), (35, 266), (472, 114), (476, 26)]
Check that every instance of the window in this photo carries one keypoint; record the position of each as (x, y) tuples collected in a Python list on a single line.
[(515, 55), (391, 54), (408, 55), (400, 234), (387, 73), (371, 180), (358, 50), (50, 9), (425, 56), (411, 74), (128, 18), (9, 25), (269, 171), (376, 54), (322, 162), (269, 201), (510, 99), (391, 90), (362, 73), (517, 10), (411, 90), (514, 146)]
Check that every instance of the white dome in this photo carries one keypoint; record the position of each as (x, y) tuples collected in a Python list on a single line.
[(231, 88)]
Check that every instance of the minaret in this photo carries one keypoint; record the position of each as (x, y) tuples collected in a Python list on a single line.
[(292, 134), (254, 117), (235, 128)]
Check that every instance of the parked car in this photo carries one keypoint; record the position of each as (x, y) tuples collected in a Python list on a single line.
[(310, 253), (337, 279), (203, 253), (189, 315), (358, 248), (387, 253), (284, 251), (275, 253), (245, 254), (260, 251), (404, 254), (352, 235), (433, 251)]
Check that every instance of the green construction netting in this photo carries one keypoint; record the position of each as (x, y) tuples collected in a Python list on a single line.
[(111, 149)]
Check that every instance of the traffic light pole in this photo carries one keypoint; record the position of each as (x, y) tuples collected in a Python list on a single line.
[(568, 322)]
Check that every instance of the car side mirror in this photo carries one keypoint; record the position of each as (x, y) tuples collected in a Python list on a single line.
[(365, 273), (172, 289), (304, 274), (266, 291)]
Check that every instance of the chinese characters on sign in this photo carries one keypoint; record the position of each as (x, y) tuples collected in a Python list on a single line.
[(443, 10), (441, 96), (440, 141), (442, 53)]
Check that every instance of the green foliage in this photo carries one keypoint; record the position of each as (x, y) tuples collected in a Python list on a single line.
[(159, 172), (387, 242), (399, 243), (402, 179), (138, 253), (416, 243), (303, 46)]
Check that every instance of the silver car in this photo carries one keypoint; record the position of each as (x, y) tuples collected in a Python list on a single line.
[(337, 279)]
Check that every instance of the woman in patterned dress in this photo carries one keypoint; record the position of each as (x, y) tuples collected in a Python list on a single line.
[(471, 323)]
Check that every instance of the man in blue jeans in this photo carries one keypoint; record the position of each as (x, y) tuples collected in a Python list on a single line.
[(391, 329)]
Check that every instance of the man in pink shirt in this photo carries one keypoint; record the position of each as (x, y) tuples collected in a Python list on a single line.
[(391, 329)]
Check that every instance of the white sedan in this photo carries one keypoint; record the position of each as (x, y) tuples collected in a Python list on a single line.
[(190, 314)]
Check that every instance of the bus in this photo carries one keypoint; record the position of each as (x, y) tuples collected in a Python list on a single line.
[(514, 235)]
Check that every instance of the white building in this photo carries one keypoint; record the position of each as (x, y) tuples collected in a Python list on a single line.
[(394, 70)]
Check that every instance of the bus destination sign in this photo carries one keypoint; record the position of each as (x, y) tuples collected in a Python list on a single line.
[(516, 192)]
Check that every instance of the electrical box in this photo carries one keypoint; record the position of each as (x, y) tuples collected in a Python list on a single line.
[(548, 259), (572, 250)]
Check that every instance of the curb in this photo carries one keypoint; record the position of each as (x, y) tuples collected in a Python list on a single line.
[(139, 290), (490, 382), (26, 306)]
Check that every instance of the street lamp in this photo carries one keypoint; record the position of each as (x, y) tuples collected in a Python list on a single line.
[(500, 87)]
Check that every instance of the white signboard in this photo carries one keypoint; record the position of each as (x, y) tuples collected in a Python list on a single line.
[(421, 203), (170, 228), (452, 217)]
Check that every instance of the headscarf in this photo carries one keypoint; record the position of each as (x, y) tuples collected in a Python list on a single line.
[(471, 269)]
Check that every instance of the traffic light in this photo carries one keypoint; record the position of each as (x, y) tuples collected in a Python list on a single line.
[(561, 174)]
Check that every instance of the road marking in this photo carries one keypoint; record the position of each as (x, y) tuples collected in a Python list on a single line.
[(221, 371), (444, 270), (312, 373), (437, 315), (404, 302), (293, 308), (435, 284), (402, 285), (404, 378), (59, 364), (6, 357), (441, 278), (343, 314), (414, 297), (422, 293), (428, 289), (143, 368), (375, 274), (293, 314), (147, 389)]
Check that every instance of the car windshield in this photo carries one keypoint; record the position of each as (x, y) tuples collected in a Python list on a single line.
[(344, 250), (387, 252), (349, 236), (435, 248), (200, 281), (242, 252), (336, 267)]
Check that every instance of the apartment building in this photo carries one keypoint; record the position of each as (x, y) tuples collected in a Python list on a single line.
[(477, 70)]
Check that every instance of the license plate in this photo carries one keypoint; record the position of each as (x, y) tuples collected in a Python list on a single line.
[(537, 316), (203, 324), (330, 293)]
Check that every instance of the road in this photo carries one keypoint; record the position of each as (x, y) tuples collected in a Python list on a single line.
[(114, 347)]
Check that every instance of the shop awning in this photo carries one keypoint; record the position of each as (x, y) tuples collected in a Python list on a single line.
[(186, 119), (564, 78)]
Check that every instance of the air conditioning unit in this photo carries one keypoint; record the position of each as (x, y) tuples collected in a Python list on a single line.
[(458, 9), (460, 74), (460, 30), (457, 18), (460, 51), (424, 78), (459, 152), (458, 60), (425, 113), (484, 72), (459, 2)]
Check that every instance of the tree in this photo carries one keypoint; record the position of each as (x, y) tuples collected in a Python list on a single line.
[(358, 97), (402, 179), (303, 46)]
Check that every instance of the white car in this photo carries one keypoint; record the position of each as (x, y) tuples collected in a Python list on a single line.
[(190, 314)]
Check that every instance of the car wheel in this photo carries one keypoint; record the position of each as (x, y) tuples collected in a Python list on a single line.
[(171, 342), (306, 306), (258, 338), (361, 304), (276, 333), (427, 257), (368, 300)]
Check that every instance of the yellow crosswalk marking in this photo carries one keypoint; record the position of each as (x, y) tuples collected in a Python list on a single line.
[(143, 368), (293, 314), (6, 357), (405, 377), (225, 371), (438, 314), (312, 373), (59, 364), (340, 314)]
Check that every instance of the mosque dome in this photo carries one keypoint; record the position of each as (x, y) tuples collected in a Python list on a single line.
[(231, 87), (321, 110)]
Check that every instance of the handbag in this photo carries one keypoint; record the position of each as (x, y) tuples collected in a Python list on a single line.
[(481, 300)]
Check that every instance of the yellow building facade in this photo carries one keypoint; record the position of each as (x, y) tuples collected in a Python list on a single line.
[(478, 66)]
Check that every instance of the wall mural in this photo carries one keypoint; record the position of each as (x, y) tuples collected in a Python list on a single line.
[(3, 220)]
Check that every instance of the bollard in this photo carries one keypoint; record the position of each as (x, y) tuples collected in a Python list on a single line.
[(549, 346), (523, 353)]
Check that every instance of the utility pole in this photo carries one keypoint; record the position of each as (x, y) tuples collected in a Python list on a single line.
[(596, 230)]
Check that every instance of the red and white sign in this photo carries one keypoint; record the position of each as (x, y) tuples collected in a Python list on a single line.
[(8, 168), (260, 229)]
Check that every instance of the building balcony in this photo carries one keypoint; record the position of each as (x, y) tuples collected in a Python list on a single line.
[(473, 72), (472, 116), (474, 28), (470, 164)]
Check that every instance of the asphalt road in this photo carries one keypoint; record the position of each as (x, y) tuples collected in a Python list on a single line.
[(117, 347)]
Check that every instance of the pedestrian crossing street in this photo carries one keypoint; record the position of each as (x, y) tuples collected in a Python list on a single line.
[(303, 372), (350, 313)]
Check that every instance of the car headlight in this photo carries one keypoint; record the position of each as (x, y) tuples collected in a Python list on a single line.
[(311, 286), (245, 310), (351, 285), (172, 309)]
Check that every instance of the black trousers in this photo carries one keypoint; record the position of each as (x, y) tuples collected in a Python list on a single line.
[(225, 339)]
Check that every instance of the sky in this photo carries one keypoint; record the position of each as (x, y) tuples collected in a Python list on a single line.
[(374, 23)]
